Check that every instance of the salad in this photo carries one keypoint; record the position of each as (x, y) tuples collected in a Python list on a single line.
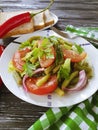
[(44, 65)]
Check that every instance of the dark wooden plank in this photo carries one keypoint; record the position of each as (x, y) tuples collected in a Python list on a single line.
[(15, 113)]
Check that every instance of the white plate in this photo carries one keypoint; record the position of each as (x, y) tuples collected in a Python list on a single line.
[(50, 100)]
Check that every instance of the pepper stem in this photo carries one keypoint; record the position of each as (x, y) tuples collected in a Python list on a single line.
[(50, 4)]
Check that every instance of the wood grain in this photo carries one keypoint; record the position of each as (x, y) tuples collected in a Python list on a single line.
[(16, 114)]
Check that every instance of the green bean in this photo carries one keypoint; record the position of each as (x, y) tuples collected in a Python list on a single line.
[(33, 60), (59, 54), (59, 91), (84, 66), (74, 81), (67, 47), (67, 81), (56, 69), (42, 80), (64, 42), (49, 69), (89, 74), (17, 77), (34, 38)]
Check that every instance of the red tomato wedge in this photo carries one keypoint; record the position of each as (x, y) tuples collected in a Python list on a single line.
[(17, 59), (46, 62), (75, 57), (48, 87)]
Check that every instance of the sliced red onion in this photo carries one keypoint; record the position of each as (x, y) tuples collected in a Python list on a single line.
[(26, 76), (23, 82), (38, 70), (81, 83)]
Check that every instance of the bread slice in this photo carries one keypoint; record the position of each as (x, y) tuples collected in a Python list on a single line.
[(38, 20), (48, 19), (22, 29)]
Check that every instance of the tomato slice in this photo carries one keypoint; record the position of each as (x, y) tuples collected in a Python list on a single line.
[(46, 88), (17, 59), (75, 57), (46, 62)]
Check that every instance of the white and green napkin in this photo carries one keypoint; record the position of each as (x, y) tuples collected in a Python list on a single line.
[(83, 116), (88, 32)]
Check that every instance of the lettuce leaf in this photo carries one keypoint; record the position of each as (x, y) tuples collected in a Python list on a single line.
[(65, 69)]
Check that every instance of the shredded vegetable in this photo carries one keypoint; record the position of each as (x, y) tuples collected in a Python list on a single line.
[(51, 64)]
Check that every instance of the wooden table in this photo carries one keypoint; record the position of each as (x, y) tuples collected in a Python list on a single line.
[(16, 114)]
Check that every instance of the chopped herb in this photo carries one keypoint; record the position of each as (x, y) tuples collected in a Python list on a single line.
[(25, 44), (45, 49), (53, 39), (29, 68), (36, 52)]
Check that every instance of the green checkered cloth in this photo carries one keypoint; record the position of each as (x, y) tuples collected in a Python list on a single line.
[(88, 32), (82, 116)]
